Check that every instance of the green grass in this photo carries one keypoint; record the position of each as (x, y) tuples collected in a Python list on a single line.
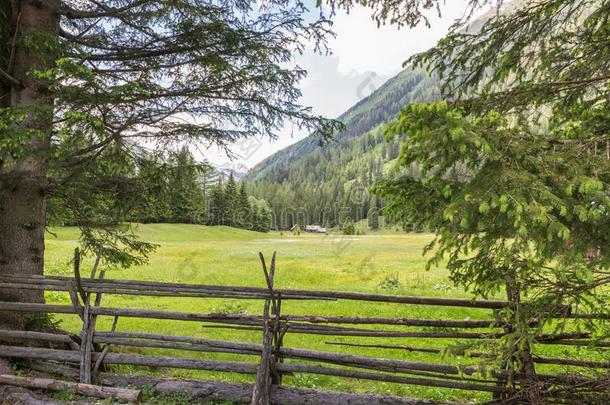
[(227, 256)]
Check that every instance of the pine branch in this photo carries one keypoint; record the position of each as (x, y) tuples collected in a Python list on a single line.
[(71, 13)]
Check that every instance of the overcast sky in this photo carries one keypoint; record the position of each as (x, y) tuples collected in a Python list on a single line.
[(363, 57)]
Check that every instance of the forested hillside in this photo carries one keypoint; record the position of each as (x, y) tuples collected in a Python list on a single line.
[(313, 183)]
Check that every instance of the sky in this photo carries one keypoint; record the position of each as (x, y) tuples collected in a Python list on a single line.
[(363, 57)]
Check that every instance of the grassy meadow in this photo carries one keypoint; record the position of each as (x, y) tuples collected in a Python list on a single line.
[(389, 262)]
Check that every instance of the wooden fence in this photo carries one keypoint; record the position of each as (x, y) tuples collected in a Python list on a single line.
[(91, 350)]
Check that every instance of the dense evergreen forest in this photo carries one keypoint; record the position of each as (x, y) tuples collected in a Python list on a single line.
[(312, 182), (175, 188)]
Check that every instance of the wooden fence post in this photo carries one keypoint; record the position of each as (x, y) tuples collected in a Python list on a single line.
[(262, 385), (89, 320), (104, 352), (279, 331), (261, 393)]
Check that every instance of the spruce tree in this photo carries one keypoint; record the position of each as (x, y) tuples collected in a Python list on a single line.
[(154, 204), (261, 214), (265, 219), (185, 188), (231, 203), (245, 215), (514, 171), (217, 208)]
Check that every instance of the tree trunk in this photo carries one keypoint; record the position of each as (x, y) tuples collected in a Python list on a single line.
[(23, 177)]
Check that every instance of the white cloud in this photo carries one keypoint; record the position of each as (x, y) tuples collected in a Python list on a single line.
[(330, 91), (363, 57), (362, 46)]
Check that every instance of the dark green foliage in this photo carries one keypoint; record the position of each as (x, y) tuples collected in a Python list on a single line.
[(245, 211), (153, 189), (485, 195), (552, 53), (185, 187), (231, 206), (261, 217), (408, 13), (232, 214), (179, 191), (321, 183), (218, 206), (175, 189)]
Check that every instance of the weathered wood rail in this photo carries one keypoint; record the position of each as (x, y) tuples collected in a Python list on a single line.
[(92, 349)]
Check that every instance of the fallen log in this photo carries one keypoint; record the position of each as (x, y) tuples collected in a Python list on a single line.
[(212, 391), (50, 367), (10, 394), (78, 388)]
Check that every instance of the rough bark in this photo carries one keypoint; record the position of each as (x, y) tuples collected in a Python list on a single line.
[(242, 393), (11, 395), (23, 179), (260, 394), (82, 389)]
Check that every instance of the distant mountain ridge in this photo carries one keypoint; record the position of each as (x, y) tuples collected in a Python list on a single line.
[(310, 183), (410, 85)]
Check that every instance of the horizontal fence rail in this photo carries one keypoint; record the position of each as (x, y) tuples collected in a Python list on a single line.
[(91, 349)]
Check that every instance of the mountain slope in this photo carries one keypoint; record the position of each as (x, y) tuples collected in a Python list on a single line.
[(406, 87), (310, 183)]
